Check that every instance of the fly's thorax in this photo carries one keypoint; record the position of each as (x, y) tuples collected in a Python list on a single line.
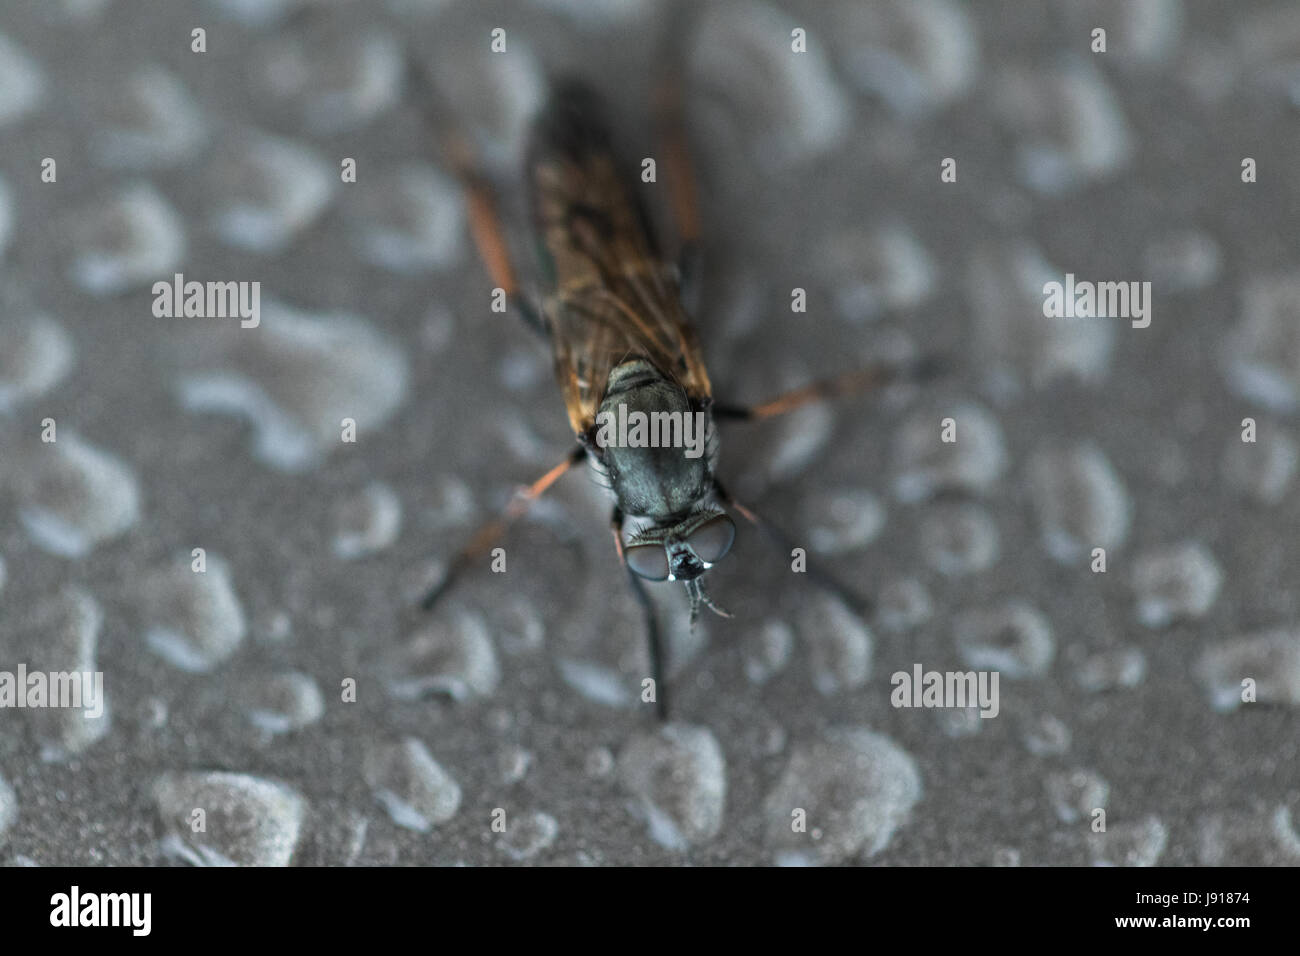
[(654, 444), (630, 375)]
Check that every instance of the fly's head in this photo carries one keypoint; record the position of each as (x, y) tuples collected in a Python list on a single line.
[(683, 551)]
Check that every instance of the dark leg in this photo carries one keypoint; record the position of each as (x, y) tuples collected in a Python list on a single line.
[(654, 642), (784, 544), (851, 383), (484, 538)]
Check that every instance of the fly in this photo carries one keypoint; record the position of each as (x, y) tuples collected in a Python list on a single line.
[(622, 343)]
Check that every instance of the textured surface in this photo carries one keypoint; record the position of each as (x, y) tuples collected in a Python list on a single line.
[(517, 701)]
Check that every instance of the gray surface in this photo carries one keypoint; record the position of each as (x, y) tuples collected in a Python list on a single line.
[(819, 171)]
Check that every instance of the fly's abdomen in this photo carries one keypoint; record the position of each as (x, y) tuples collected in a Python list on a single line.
[(588, 224), (572, 123)]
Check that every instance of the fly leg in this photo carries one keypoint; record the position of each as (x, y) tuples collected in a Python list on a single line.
[(851, 383), (782, 542), (855, 382), (654, 641), (489, 236), (486, 535), (484, 220)]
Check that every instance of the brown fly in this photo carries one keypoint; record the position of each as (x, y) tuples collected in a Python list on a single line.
[(621, 342)]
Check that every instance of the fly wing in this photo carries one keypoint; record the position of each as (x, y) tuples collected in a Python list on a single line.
[(614, 298)]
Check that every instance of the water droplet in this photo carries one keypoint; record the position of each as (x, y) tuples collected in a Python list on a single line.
[(903, 604), (1130, 844), (22, 85), (1046, 736), (1075, 794), (248, 821), (1262, 352), (409, 220), (916, 57), (1116, 668), (925, 464), (496, 97), (958, 539), (417, 793), (1011, 638), (367, 522), (264, 191), (786, 108), (841, 520), (679, 778), (599, 762), (296, 379), (1069, 128), (1270, 658), (1014, 340), (513, 764), (1262, 470), (335, 81), (1006, 856), (130, 239), (194, 621), (283, 702), (145, 120), (857, 787), (528, 834), (1179, 581), (37, 356), (66, 629), (1080, 501), (453, 657), (959, 722), (8, 806), (870, 273), (1261, 837), (768, 652), (72, 497), (1186, 260), (840, 645)]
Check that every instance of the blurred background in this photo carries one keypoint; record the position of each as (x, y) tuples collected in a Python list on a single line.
[(291, 692)]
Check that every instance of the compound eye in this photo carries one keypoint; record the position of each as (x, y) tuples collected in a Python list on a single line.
[(712, 539), (649, 561)]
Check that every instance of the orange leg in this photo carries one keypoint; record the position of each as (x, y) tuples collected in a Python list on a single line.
[(486, 228), (483, 539), (680, 177), (851, 383), (484, 221)]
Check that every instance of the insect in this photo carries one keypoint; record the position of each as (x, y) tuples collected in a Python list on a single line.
[(622, 341)]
